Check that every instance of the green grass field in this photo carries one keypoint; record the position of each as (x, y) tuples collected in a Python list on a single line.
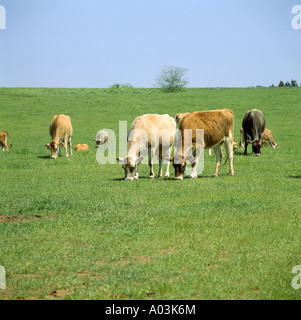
[(73, 229)]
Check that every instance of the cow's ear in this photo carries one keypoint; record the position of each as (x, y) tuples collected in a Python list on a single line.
[(61, 144), (139, 160), (94, 140), (47, 145)]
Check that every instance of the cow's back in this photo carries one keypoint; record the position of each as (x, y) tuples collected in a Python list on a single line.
[(216, 124), (254, 124), (150, 122), (60, 126)]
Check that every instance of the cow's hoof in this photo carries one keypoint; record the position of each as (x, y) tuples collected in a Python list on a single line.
[(231, 174), (215, 176), (151, 177), (166, 176), (193, 177)]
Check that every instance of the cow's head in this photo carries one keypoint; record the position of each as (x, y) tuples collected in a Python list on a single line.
[(100, 141), (180, 163), (129, 165), (256, 146), (53, 147)]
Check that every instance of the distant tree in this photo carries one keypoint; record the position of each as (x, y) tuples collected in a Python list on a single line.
[(287, 84), (281, 84), (172, 78), (120, 85), (294, 83)]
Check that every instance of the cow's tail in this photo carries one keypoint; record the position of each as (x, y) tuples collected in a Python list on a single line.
[(11, 140)]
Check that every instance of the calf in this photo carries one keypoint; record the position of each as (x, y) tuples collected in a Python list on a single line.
[(101, 138), (81, 147)]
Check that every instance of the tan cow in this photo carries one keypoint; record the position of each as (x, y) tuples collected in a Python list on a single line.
[(266, 139), (3, 141), (150, 134), (218, 127), (81, 147), (61, 132)]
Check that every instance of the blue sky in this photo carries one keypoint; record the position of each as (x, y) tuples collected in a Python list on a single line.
[(94, 43)]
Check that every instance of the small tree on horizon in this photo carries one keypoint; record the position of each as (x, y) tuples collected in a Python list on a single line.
[(281, 84), (172, 78)]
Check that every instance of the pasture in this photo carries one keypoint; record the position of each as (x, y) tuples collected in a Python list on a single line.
[(73, 229)]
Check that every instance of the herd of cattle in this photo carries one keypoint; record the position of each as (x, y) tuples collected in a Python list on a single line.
[(217, 127)]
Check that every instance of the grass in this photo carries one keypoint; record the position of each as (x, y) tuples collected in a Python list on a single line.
[(73, 229)]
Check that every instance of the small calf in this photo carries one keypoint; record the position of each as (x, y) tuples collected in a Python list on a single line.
[(81, 147), (101, 138)]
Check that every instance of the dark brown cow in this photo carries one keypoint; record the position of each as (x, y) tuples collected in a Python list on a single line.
[(253, 126), (3, 141), (218, 127)]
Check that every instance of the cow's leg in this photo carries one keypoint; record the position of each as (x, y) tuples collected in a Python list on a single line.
[(218, 155), (160, 166), (66, 146), (70, 145), (246, 144), (150, 162), (229, 150), (196, 155)]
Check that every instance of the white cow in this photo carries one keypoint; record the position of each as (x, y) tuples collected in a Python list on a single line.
[(150, 134)]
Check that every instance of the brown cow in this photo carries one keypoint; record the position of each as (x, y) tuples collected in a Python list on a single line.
[(81, 147), (61, 132), (218, 127), (3, 141)]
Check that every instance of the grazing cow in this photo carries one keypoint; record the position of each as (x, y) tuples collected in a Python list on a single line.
[(101, 138), (81, 147), (3, 141), (253, 126), (150, 134), (61, 132), (218, 127), (267, 138)]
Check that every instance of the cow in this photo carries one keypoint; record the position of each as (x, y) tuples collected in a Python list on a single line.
[(218, 126), (267, 139), (81, 147), (61, 132), (3, 140), (253, 126), (150, 134), (101, 138)]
